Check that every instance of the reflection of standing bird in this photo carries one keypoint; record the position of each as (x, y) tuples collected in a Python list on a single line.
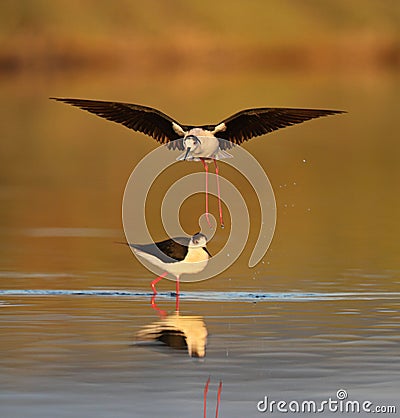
[(178, 331), (203, 143), (176, 256)]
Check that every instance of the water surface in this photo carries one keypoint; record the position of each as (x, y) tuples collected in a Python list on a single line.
[(320, 312)]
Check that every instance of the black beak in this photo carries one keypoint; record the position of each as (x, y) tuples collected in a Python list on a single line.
[(187, 153)]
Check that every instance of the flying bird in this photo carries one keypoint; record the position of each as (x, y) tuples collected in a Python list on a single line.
[(177, 256), (205, 143)]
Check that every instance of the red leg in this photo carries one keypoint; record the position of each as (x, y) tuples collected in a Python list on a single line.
[(155, 281), (206, 168), (205, 397), (221, 220), (162, 313), (177, 295), (218, 398)]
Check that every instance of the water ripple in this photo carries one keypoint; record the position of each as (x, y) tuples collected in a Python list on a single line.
[(211, 296)]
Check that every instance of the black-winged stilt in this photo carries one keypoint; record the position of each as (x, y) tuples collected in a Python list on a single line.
[(205, 143), (177, 256)]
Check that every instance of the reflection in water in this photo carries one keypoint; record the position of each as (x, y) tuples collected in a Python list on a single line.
[(218, 397), (73, 347), (181, 332), (178, 331), (162, 313)]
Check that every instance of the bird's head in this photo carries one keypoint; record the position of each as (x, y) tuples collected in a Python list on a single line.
[(198, 240), (191, 142)]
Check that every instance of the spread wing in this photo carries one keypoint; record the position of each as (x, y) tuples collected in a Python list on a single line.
[(139, 118), (249, 123)]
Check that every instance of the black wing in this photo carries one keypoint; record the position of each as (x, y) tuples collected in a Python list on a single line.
[(172, 338), (249, 123), (165, 333), (168, 251), (143, 119)]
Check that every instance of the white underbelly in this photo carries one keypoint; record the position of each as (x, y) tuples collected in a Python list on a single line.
[(177, 268), (186, 268), (208, 149)]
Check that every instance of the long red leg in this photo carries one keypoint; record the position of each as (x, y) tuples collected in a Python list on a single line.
[(205, 397), (207, 215), (177, 295), (155, 281), (162, 313), (221, 220), (218, 398)]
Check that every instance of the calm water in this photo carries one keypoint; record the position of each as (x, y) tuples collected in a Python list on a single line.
[(320, 312)]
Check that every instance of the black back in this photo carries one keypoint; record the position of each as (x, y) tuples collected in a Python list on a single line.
[(168, 251)]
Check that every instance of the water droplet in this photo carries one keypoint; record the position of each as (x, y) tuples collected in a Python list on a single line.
[(304, 161)]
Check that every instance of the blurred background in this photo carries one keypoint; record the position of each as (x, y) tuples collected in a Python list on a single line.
[(63, 171)]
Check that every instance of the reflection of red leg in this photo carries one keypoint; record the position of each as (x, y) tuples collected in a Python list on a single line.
[(218, 398), (206, 168), (177, 295), (162, 313), (205, 397), (155, 281), (219, 194)]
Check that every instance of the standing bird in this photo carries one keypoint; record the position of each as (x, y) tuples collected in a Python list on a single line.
[(176, 256), (203, 143)]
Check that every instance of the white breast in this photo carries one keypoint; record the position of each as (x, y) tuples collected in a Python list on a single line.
[(208, 148)]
